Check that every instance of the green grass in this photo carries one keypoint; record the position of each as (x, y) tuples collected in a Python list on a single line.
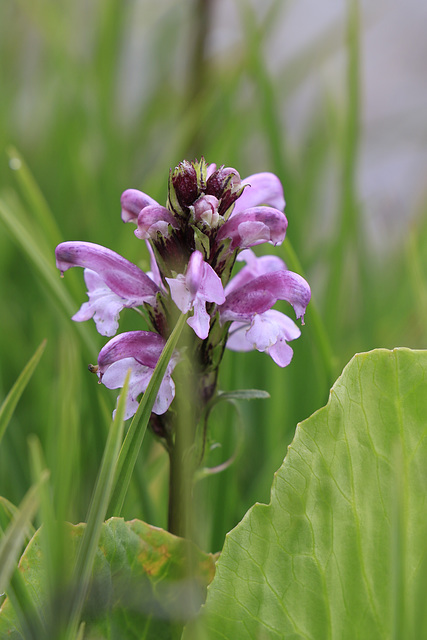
[(70, 144)]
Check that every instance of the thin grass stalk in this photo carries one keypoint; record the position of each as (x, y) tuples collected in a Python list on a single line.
[(274, 134), (20, 231), (95, 518), (34, 196), (8, 406), (348, 232)]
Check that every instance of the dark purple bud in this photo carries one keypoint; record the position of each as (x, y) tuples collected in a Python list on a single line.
[(183, 186), (226, 185)]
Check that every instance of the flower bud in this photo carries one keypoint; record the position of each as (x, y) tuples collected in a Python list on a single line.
[(226, 185), (206, 211), (183, 187)]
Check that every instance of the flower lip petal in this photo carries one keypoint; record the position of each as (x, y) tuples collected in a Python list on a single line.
[(123, 277), (132, 202), (104, 305)]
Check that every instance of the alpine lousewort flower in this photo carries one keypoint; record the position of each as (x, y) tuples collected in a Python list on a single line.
[(211, 216)]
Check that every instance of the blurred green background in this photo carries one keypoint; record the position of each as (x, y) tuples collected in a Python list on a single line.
[(100, 96)]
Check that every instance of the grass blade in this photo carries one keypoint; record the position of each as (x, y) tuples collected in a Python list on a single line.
[(8, 406), (25, 240), (96, 516), (135, 435), (34, 197)]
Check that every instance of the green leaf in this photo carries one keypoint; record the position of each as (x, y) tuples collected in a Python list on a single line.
[(11, 541), (140, 586), (8, 406), (340, 550)]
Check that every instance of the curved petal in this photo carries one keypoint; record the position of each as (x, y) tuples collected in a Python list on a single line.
[(144, 346), (260, 188), (180, 293), (254, 267), (262, 293), (153, 219), (123, 277), (132, 202), (211, 289), (200, 321), (252, 227)]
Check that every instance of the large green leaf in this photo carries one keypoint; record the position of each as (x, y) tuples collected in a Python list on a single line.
[(145, 584), (339, 551)]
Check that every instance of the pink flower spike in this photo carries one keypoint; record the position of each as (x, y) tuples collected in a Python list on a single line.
[(132, 202)]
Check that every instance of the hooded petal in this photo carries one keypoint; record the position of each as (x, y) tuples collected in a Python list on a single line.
[(132, 202), (262, 293), (260, 188), (121, 276), (144, 346), (254, 267), (153, 219), (252, 227)]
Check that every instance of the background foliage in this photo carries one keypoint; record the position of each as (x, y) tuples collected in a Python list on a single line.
[(101, 97)]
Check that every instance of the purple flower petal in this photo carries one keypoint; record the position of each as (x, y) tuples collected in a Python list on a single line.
[(144, 346), (254, 267), (154, 219), (268, 332), (114, 378), (262, 293), (132, 202), (261, 188), (104, 306), (121, 276), (200, 285), (180, 293), (252, 227), (139, 351)]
